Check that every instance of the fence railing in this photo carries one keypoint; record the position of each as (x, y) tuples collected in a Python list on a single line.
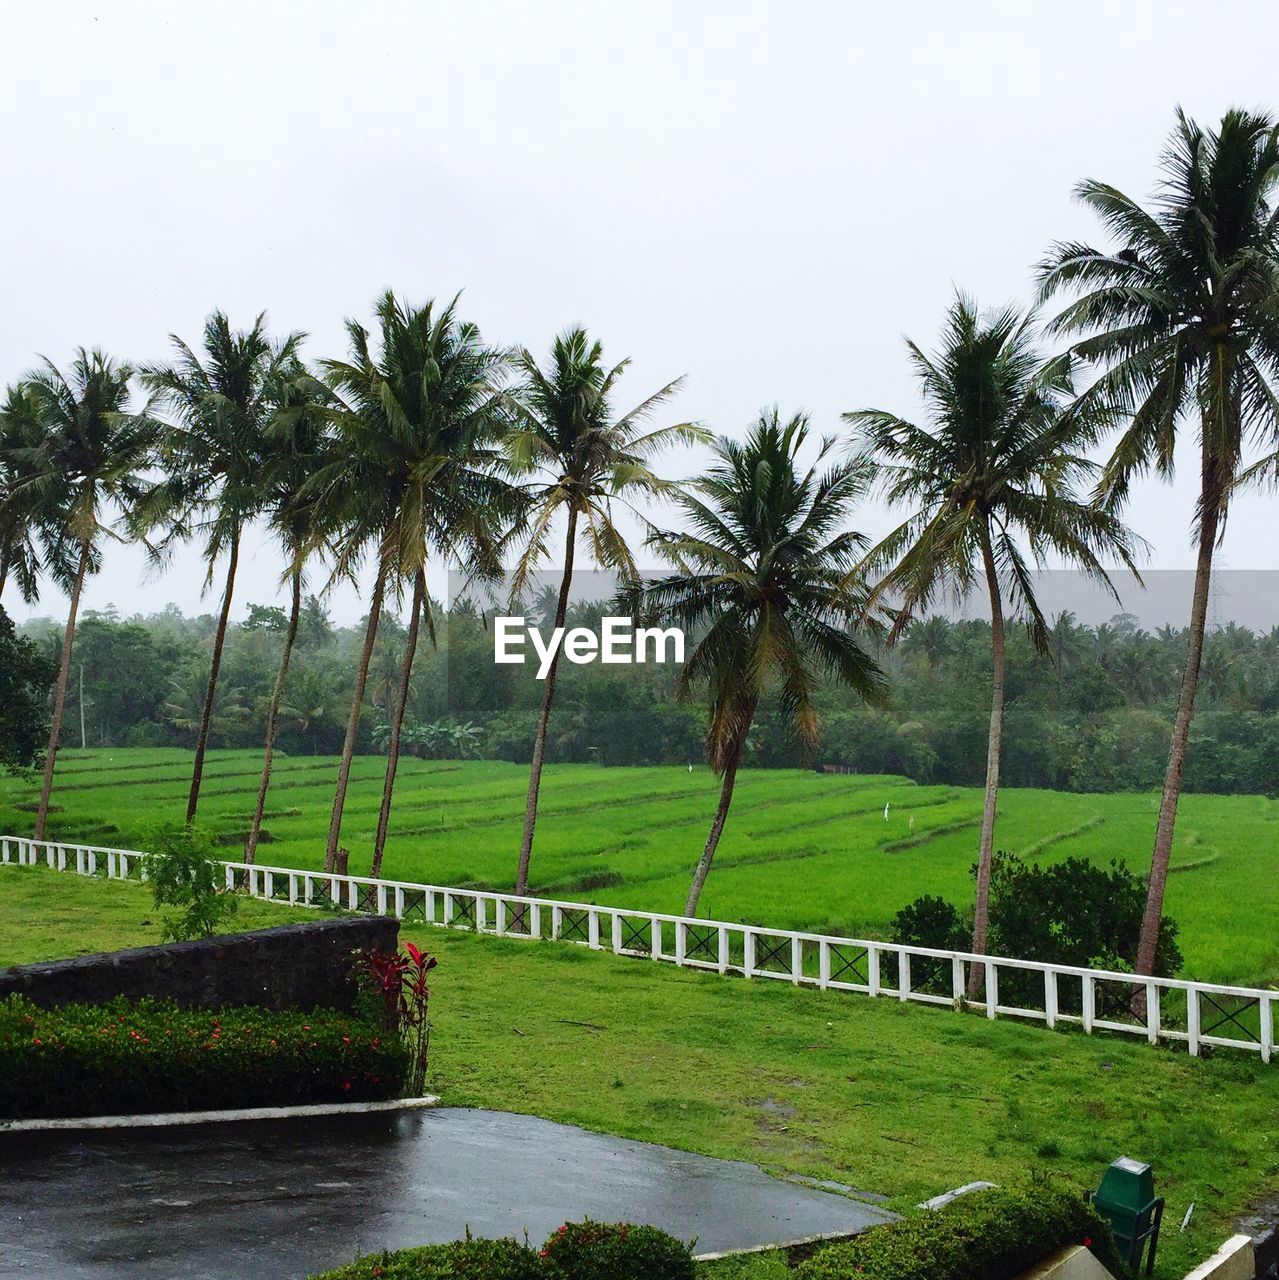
[(1195, 1014)]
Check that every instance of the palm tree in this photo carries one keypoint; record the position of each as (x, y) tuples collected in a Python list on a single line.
[(294, 452), (83, 464), (583, 459), (216, 454), (23, 455), (998, 461), (763, 577), (418, 424), (1182, 314)]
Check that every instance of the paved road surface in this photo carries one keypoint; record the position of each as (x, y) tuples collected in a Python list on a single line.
[(273, 1200)]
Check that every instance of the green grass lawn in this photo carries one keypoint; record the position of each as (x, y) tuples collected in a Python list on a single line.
[(801, 850), (903, 1100)]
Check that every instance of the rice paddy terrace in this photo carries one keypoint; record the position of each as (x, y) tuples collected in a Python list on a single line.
[(801, 850)]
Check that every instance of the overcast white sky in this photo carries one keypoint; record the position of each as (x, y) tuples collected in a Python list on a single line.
[(764, 197)]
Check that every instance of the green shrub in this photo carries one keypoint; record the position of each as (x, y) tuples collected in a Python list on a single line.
[(618, 1251), (122, 1058), (183, 871), (472, 1259), (987, 1235)]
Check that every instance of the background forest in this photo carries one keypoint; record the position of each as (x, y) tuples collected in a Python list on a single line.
[(1095, 715)]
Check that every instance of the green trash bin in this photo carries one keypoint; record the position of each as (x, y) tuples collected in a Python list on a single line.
[(1127, 1200)]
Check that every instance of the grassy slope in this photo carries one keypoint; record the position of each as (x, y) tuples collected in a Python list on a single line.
[(801, 850), (898, 1099)]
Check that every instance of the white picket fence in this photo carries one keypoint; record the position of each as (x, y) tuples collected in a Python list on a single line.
[(1191, 1013)]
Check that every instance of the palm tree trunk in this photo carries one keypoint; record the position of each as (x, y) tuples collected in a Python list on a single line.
[(206, 714), (397, 724), (353, 724), (994, 745), (60, 697), (273, 717), (544, 717), (717, 826), (1149, 942)]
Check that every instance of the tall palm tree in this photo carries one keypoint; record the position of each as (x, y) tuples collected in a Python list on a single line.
[(762, 577), (23, 454), (997, 463), (295, 451), (215, 451), (583, 459), (418, 425), (82, 472), (1183, 316)]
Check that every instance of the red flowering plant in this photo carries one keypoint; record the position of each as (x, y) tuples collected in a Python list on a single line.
[(398, 980)]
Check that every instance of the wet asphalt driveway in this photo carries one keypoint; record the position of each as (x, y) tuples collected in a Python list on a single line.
[(275, 1200)]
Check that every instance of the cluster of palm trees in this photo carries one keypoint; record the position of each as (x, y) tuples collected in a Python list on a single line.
[(427, 444)]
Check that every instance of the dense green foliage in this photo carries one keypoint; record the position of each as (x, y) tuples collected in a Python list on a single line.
[(25, 675), (150, 1055), (620, 1250), (184, 872), (125, 1057), (1095, 716), (988, 1235), (1070, 912), (458, 1260), (576, 1251)]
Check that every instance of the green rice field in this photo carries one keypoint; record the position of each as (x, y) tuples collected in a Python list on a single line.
[(801, 850)]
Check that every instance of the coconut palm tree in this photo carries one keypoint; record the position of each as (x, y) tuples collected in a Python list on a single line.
[(996, 465), (215, 451), (295, 450), (583, 460), (762, 578), (79, 474), (1182, 315), (418, 424)]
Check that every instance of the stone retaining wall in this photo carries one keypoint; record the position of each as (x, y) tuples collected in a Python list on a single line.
[(294, 966)]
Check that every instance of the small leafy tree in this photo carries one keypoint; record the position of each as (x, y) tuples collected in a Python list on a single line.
[(184, 872), (25, 677)]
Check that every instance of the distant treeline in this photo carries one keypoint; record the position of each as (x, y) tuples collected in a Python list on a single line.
[(1094, 716)]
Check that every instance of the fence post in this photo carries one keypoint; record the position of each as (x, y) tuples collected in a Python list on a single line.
[(1152, 1013), (230, 873), (823, 964), (748, 953), (723, 949), (593, 929), (481, 915), (615, 930), (1266, 1007), (1192, 1021), (958, 990), (681, 941), (903, 974), (656, 953), (1050, 997), (797, 960), (535, 921), (992, 989), (872, 970), (1088, 1003)]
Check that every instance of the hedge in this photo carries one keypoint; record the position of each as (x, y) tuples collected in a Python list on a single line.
[(620, 1251), (474, 1259), (986, 1235), (122, 1058), (577, 1251)]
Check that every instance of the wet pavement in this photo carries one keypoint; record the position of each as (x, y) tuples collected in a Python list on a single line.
[(275, 1200)]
